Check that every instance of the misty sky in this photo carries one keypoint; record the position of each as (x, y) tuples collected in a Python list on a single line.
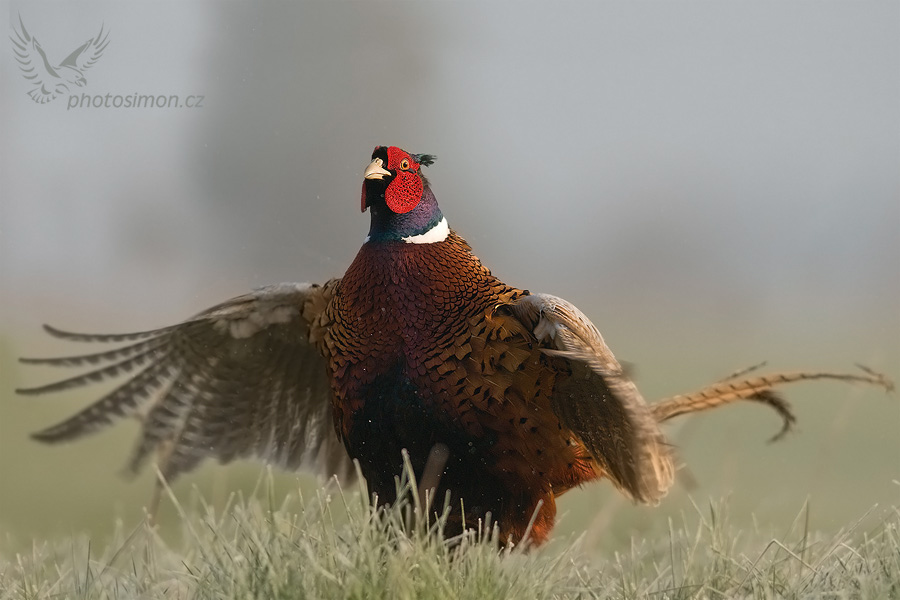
[(733, 164)]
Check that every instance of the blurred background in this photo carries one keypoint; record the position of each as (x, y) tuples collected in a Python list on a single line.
[(714, 184)]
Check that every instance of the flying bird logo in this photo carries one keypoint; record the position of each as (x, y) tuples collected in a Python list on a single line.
[(51, 80)]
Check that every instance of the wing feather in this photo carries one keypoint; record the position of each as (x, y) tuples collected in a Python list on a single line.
[(95, 359), (240, 379), (97, 375), (599, 403), (121, 402), (109, 337)]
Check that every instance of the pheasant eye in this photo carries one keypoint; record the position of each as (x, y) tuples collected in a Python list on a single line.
[(404, 164)]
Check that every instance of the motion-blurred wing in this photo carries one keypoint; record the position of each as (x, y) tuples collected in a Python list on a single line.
[(238, 380), (599, 403)]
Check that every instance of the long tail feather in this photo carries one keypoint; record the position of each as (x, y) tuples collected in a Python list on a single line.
[(757, 389), (744, 371)]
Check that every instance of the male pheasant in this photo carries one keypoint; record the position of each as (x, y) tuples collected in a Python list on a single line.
[(509, 398)]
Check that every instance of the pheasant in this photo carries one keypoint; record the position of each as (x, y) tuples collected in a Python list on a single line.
[(501, 399)]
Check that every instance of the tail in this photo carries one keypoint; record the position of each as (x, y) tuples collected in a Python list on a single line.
[(757, 389)]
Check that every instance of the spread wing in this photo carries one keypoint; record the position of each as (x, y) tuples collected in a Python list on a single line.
[(240, 379), (85, 56), (599, 403)]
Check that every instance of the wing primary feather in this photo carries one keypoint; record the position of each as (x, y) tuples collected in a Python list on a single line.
[(300, 433), (299, 438), (95, 376), (163, 418), (191, 441), (118, 403), (107, 337), (240, 379), (96, 358), (292, 427), (270, 432)]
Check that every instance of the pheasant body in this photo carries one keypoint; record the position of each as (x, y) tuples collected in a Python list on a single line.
[(419, 357), (417, 348)]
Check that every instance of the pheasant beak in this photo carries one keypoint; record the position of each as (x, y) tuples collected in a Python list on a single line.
[(376, 170)]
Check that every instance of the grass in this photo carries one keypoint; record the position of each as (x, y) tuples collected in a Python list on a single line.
[(288, 538), (334, 545)]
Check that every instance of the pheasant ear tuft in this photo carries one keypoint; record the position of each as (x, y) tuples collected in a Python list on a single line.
[(425, 160)]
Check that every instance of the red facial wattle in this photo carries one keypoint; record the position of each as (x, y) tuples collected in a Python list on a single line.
[(405, 191)]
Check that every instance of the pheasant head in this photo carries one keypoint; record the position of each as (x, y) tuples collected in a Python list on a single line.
[(401, 202)]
